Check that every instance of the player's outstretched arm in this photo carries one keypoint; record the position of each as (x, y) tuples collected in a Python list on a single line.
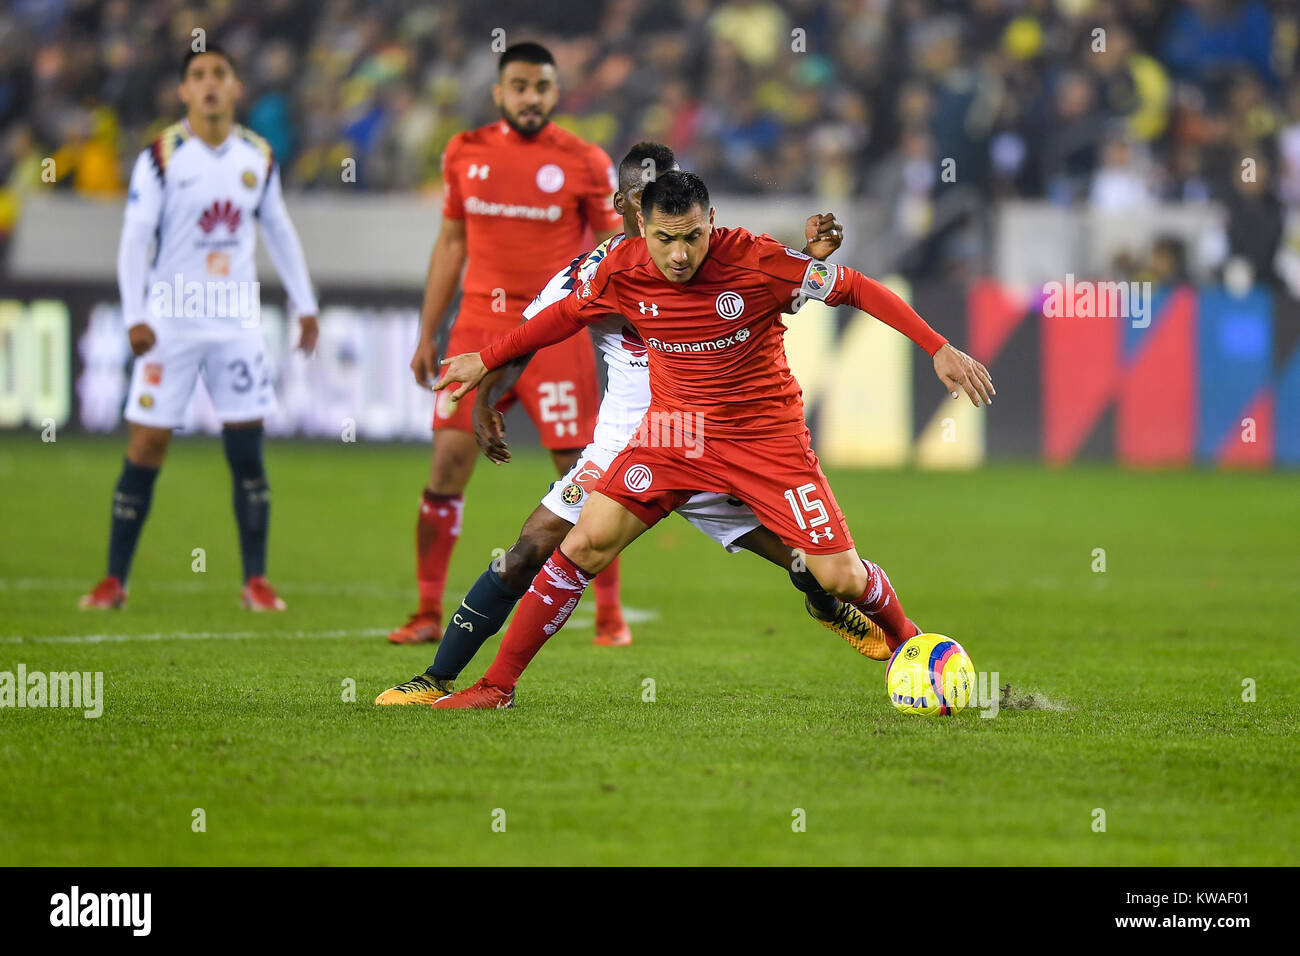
[(957, 370), (440, 285)]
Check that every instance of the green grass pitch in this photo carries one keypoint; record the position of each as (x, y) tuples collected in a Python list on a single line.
[(758, 712)]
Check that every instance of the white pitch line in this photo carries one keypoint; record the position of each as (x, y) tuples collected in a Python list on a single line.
[(191, 636), (631, 615), (197, 587)]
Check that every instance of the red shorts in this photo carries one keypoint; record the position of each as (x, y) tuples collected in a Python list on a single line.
[(779, 478), (558, 388)]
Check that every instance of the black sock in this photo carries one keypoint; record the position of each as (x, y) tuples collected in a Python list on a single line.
[(485, 608), (131, 500), (822, 600), (252, 496)]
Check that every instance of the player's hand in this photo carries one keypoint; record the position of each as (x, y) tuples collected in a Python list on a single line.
[(959, 372), (308, 333), (824, 235), (141, 338), (468, 369), (425, 362), (490, 432)]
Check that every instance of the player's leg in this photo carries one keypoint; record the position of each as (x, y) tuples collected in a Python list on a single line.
[(485, 608), (162, 381), (238, 376), (442, 502), (782, 480), (560, 392), (437, 527), (733, 525), (603, 530)]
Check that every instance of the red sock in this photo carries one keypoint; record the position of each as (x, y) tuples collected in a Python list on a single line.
[(606, 587), (541, 612), (881, 605), (436, 532)]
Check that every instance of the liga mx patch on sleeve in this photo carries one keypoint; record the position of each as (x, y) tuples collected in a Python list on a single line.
[(818, 280)]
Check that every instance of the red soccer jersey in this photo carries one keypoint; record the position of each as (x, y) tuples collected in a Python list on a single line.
[(715, 343), (529, 205)]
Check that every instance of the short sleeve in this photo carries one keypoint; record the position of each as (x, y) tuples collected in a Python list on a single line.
[(597, 197), (453, 206)]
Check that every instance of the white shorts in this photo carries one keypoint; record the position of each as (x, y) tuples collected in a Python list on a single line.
[(721, 517), (235, 370)]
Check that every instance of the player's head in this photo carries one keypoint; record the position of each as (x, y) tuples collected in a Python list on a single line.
[(209, 84), (644, 163), (676, 220), (526, 90)]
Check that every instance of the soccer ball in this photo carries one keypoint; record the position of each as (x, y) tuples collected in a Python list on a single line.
[(930, 675)]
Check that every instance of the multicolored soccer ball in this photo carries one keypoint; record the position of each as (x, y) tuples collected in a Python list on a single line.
[(930, 675)]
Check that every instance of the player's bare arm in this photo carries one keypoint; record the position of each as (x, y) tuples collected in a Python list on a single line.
[(957, 370), (141, 338), (308, 333), (467, 369), (445, 267), (823, 234), (490, 424)]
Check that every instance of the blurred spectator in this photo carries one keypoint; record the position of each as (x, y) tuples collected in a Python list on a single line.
[(939, 108)]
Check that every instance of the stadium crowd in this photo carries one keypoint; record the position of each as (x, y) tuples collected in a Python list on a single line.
[(934, 107)]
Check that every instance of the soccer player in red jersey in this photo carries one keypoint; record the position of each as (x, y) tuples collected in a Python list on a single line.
[(492, 598), (713, 299), (522, 198)]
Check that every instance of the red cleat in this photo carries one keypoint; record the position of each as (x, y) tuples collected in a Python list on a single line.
[(481, 696), (611, 629), (108, 595), (258, 595), (422, 627)]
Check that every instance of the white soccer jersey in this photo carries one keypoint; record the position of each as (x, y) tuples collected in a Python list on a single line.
[(200, 204), (627, 386)]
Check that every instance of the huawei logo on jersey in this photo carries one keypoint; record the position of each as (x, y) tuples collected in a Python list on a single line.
[(633, 342), (223, 210)]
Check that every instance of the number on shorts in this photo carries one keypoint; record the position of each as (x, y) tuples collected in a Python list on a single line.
[(243, 378), (803, 505), (559, 405)]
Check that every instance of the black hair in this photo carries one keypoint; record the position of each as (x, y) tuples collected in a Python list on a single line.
[(525, 53), (633, 173), (674, 193), (209, 48)]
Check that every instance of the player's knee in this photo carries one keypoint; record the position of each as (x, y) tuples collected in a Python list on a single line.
[(147, 447), (588, 553)]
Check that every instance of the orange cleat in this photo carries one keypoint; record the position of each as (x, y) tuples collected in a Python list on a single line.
[(611, 629), (422, 627), (481, 696), (108, 595), (258, 595)]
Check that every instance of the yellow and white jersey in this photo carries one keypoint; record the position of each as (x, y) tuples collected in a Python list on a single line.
[(197, 206)]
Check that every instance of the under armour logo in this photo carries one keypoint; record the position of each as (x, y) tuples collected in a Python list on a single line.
[(478, 172), (827, 534), (650, 309)]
